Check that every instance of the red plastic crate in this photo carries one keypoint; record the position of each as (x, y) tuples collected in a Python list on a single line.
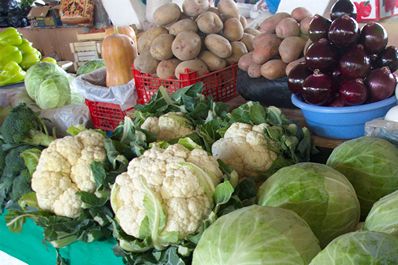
[(221, 84), (105, 116)]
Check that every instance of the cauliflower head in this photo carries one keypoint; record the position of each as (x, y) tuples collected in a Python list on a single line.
[(172, 125), (245, 149), (64, 169), (166, 193)]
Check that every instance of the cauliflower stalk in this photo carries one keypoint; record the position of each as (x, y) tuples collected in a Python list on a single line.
[(166, 194), (172, 125), (64, 170)]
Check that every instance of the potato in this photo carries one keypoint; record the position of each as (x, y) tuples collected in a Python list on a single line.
[(193, 8), (252, 31), (266, 47), (245, 61), (145, 63), (218, 45), (309, 42), (167, 14), (269, 24), (287, 27), (212, 61), (166, 68), (305, 25), (238, 50), (195, 65), (146, 38), (254, 71), (300, 13), (215, 10), (291, 48), (186, 46), (208, 22), (243, 21), (273, 69), (291, 65), (228, 9), (233, 29), (185, 24), (161, 47), (248, 39)]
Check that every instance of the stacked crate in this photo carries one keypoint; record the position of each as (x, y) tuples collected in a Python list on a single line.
[(87, 48)]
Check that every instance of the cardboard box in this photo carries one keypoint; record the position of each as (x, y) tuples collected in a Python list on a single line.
[(375, 10), (44, 17)]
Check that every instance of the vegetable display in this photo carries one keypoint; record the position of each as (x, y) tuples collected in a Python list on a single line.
[(257, 235), (346, 66), (197, 38), (16, 56), (281, 35)]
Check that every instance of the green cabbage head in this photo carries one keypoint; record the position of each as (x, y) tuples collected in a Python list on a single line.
[(384, 215), (48, 85), (360, 248), (371, 165), (257, 235), (322, 196)]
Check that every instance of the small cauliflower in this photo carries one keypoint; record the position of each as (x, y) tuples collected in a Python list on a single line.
[(64, 169), (172, 125), (166, 193), (245, 149)]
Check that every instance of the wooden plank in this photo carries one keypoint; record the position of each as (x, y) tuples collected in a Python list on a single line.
[(87, 53), (296, 116), (91, 36)]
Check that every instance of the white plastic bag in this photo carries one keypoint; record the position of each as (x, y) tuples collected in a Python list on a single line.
[(383, 129), (92, 87)]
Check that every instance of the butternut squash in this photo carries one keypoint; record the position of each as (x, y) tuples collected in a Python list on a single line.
[(126, 30), (118, 53)]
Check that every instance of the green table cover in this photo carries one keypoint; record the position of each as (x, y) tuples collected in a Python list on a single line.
[(29, 247)]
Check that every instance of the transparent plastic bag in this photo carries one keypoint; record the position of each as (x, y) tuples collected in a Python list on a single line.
[(92, 87), (383, 129)]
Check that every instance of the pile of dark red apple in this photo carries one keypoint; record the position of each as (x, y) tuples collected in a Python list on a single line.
[(345, 65)]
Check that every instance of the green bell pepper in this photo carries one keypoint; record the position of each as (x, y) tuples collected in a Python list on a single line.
[(30, 59), (11, 73), (30, 55), (10, 36), (10, 53)]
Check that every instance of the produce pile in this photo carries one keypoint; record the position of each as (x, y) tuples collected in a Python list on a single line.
[(345, 65), (278, 44), (200, 38), (16, 56)]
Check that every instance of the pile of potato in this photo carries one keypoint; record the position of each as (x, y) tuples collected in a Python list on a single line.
[(278, 44), (199, 38)]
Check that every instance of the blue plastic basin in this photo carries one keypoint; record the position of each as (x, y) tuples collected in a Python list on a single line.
[(342, 122)]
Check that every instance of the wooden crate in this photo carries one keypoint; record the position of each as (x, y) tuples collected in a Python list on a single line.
[(85, 51)]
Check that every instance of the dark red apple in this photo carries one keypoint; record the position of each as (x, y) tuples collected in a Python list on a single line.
[(373, 37), (319, 28), (355, 63), (296, 78), (343, 7), (317, 88), (389, 58), (337, 102), (321, 55), (381, 84), (344, 31), (353, 92)]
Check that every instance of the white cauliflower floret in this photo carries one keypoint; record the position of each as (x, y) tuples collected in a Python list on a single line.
[(64, 169), (182, 181), (245, 149), (170, 126)]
